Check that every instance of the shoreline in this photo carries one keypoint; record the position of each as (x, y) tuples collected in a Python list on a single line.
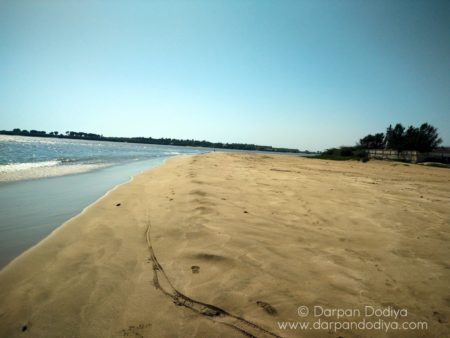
[(85, 208), (65, 197), (239, 236)]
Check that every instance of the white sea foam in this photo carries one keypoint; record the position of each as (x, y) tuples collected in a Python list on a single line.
[(13, 167), (26, 171)]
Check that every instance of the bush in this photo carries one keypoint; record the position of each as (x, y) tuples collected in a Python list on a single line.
[(345, 153)]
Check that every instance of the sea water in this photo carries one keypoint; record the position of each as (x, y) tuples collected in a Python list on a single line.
[(46, 181)]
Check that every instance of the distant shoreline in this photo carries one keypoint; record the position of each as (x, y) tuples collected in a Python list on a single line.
[(149, 140)]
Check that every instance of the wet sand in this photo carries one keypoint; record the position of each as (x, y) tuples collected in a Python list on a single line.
[(31, 209), (228, 244)]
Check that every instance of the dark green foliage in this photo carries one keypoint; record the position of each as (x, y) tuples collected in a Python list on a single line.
[(372, 141), (423, 139), (345, 153), (428, 138), (411, 138), (37, 133), (395, 137)]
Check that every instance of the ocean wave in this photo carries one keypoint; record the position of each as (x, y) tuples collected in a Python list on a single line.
[(13, 167), (28, 171)]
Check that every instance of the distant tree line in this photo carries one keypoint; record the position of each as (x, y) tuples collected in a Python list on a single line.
[(424, 138), (149, 140)]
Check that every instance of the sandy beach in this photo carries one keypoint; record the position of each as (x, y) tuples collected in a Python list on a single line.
[(232, 244)]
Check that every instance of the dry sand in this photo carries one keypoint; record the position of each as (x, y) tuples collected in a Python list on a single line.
[(255, 237)]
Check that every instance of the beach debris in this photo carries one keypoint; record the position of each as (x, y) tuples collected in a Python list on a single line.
[(181, 300), (245, 212), (24, 328), (195, 269), (210, 312), (267, 307), (118, 204)]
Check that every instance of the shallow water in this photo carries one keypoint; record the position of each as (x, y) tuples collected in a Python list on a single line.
[(30, 209), (24, 158)]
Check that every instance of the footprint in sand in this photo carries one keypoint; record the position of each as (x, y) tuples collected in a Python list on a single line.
[(135, 331), (267, 307), (440, 317), (195, 269), (161, 282)]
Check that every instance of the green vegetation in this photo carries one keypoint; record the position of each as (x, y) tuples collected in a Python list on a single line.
[(423, 139), (344, 153), (376, 141), (148, 140)]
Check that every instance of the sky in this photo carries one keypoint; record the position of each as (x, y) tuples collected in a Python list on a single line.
[(300, 74)]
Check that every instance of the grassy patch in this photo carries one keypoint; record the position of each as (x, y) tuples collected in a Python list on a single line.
[(344, 154)]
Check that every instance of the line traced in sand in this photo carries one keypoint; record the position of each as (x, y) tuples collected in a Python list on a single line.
[(162, 283)]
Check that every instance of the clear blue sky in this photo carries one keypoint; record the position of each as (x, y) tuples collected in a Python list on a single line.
[(304, 74)]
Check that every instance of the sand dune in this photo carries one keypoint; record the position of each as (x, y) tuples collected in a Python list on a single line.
[(231, 244)]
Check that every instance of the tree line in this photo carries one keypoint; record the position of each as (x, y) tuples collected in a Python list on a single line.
[(149, 140), (424, 138)]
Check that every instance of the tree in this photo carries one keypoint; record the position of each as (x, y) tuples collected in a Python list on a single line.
[(423, 139), (428, 138), (372, 141), (411, 138), (395, 137)]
